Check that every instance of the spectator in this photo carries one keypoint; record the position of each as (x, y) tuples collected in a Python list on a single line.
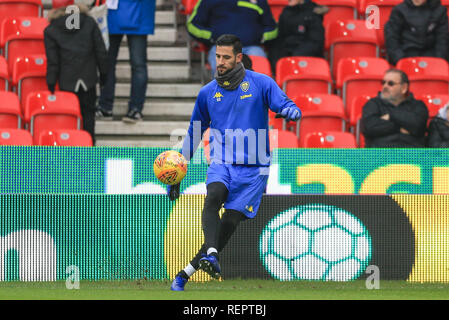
[(251, 21), (439, 129), (301, 31), (417, 28), (74, 54), (394, 119), (135, 19)]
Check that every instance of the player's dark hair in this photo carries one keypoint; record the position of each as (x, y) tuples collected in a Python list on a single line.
[(247, 62), (230, 40)]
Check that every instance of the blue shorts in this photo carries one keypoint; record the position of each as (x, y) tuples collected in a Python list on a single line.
[(246, 185)]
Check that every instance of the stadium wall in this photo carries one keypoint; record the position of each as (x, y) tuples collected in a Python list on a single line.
[(327, 215)]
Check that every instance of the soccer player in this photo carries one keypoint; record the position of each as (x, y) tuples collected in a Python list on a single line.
[(235, 107)]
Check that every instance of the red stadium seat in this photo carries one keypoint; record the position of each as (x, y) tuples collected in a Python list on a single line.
[(15, 137), (28, 75), (67, 138), (427, 75), (350, 38), (261, 64), (297, 75), (22, 36), (4, 74), (445, 3), (282, 139), (20, 8), (10, 112), (355, 114), (319, 111), (44, 111), (276, 7), (434, 102), (357, 76), (339, 10), (187, 6), (329, 139), (384, 11)]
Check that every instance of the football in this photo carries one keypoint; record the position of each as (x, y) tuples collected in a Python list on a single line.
[(170, 167)]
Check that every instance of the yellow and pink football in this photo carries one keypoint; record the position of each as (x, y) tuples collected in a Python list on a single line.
[(170, 167)]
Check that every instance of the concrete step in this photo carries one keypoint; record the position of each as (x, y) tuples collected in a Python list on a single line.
[(158, 53), (162, 90), (157, 70), (162, 35), (158, 108), (145, 128)]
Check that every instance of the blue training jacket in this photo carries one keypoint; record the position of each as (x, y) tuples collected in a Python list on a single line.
[(132, 17), (251, 21), (238, 120)]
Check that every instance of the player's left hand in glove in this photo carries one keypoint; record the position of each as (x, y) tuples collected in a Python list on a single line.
[(289, 114), (173, 191)]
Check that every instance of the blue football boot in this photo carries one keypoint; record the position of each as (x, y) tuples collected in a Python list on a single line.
[(210, 265), (178, 284)]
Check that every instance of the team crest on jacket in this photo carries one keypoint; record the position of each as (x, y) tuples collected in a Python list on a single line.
[(244, 86)]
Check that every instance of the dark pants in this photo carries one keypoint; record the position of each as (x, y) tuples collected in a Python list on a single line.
[(137, 45), (88, 101), (217, 232)]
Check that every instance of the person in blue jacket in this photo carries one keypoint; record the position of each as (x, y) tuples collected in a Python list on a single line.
[(235, 107), (250, 20), (135, 19)]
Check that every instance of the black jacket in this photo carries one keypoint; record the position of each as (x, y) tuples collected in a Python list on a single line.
[(74, 53), (417, 31), (300, 32), (438, 133), (410, 114), (301, 29)]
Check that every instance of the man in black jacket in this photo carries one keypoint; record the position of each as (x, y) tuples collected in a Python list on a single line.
[(75, 51), (394, 119), (301, 31), (417, 28)]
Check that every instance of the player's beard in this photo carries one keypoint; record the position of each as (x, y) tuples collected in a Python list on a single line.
[(222, 73)]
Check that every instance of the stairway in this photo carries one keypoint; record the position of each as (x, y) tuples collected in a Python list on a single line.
[(171, 92), (173, 85)]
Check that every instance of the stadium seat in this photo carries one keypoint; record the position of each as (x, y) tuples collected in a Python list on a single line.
[(20, 8), (355, 109), (434, 102), (44, 111), (319, 111), (282, 139), (10, 112), (4, 74), (339, 10), (385, 7), (68, 138), (350, 38), (329, 139), (15, 137), (28, 75), (357, 76), (261, 64), (297, 75), (22, 36), (427, 75), (276, 7)]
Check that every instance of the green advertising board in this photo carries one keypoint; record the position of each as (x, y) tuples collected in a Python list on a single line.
[(293, 171)]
